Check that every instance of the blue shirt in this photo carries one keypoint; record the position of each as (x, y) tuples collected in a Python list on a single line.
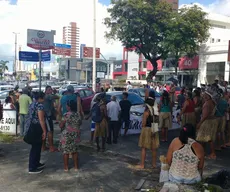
[(64, 100), (221, 108)]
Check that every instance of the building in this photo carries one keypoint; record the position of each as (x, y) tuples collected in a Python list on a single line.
[(71, 36), (174, 3), (213, 62)]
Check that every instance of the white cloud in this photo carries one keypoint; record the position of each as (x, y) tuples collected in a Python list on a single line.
[(53, 15)]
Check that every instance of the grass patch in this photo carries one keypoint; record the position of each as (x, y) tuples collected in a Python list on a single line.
[(4, 138)]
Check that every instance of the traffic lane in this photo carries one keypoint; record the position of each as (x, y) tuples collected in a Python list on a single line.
[(97, 171)]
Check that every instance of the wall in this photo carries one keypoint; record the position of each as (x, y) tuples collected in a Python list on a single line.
[(133, 65)]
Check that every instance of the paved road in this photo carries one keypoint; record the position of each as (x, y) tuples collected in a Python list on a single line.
[(112, 171)]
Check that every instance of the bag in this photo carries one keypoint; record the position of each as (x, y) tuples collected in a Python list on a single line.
[(96, 113), (154, 128), (164, 175), (34, 134)]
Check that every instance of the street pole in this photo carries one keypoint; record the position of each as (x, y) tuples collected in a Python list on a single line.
[(94, 45), (15, 54), (40, 70), (86, 74)]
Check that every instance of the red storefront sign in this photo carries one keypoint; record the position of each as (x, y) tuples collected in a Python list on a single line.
[(189, 63), (61, 51), (88, 52), (150, 66)]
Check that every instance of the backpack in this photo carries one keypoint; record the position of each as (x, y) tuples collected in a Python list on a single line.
[(96, 113)]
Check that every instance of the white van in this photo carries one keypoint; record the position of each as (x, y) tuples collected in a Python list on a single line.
[(6, 87)]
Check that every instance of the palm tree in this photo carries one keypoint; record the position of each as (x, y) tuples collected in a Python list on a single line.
[(3, 67)]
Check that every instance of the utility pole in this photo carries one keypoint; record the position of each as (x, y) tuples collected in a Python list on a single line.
[(15, 54), (94, 45)]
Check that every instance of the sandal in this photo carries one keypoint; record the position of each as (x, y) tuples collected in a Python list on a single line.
[(223, 146), (211, 157), (66, 170), (139, 167)]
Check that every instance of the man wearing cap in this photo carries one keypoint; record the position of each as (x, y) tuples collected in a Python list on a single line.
[(69, 95), (49, 110), (24, 102)]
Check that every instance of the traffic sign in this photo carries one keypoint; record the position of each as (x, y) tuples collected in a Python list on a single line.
[(34, 56), (65, 46)]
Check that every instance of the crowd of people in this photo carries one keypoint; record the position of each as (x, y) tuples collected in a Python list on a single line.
[(203, 114)]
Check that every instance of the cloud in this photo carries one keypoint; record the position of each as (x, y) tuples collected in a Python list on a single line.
[(53, 15), (221, 7)]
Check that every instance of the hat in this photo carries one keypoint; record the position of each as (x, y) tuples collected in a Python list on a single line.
[(70, 88), (214, 93)]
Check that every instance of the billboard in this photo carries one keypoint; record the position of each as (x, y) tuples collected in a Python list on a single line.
[(61, 49), (117, 66), (40, 40), (88, 52)]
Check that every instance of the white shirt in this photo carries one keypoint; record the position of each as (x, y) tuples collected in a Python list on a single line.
[(113, 109), (129, 87)]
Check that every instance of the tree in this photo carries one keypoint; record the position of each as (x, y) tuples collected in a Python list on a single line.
[(189, 29), (155, 30), (3, 67), (142, 24)]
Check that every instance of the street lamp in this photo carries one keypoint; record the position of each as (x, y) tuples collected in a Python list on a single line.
[(15, 54)]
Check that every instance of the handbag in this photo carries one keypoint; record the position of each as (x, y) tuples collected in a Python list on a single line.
[(34, 133), (164, 174)]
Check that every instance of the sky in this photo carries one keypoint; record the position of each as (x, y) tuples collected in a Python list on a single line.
[(19, 15)]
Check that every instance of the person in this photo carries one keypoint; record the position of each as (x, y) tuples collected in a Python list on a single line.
[(165, 116), (181, 99), (69, 96), (207, 127), (113, 110), (125, 105), (56, 103), (129, 86), (172, 91), (36, 116), (99, 117), (8, 103), (185, 157), (198, 103), (49, 110), (221, 109), (188, 111), (148, 139), (24, 102), (70, 135)]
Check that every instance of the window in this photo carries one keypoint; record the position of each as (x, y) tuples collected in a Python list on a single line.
[(144, 64), (218, 40), (213, 40), (81, 93), (88, 93)]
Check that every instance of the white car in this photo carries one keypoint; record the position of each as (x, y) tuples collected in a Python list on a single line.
[(64, 87)]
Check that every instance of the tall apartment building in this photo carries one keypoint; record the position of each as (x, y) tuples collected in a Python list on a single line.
[(174, 3), (71, 37)]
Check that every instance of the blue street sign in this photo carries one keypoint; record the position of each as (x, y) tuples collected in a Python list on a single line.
[(64, 46), (34, 56)]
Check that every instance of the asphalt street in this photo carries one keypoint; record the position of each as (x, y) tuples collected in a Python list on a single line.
[(112, 171)]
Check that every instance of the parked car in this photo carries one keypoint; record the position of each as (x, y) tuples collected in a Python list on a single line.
[(3, 95), (136, 111), (64, 87), (86, 95), (141, 93)]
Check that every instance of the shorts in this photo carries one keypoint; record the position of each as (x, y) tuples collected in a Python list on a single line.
[(93, 124), (49, 124)]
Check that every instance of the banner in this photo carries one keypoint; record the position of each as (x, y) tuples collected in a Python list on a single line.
[(8, 123)]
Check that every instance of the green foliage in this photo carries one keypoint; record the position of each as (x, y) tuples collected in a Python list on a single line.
[(155, 30), (6, 138), (3, 67)]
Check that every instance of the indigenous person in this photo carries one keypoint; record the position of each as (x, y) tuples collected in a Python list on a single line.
[(148, 138), (185, 157)]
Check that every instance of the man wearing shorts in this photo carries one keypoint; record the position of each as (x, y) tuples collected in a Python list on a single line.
[(49, 109)]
